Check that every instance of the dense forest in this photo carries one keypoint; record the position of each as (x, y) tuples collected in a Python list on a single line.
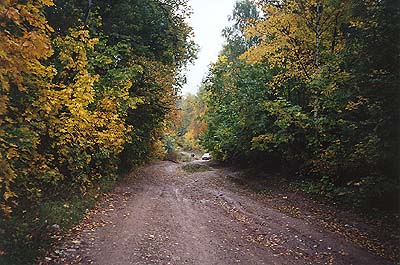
[(91, 89), (86, 90), (310, 88)]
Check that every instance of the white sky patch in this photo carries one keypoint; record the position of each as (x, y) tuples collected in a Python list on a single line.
[(208, 20)]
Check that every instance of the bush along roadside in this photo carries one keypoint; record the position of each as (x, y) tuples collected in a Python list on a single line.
[(27, 234), (81, 100)]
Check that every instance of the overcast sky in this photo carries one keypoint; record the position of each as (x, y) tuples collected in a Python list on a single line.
[(208, 20)]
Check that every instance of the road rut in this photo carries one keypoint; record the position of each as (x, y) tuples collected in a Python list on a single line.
[(164, 215)]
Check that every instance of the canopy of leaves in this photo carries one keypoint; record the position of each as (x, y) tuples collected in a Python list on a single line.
[(314, 85), (85, 90)]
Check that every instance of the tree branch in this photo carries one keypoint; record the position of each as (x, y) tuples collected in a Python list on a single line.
[(87, 15)]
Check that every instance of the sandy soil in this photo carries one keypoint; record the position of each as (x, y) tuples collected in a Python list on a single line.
[(164, 215)]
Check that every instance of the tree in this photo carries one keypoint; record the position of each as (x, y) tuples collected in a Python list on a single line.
[(193, 125), (82, 97), (24, 44), (327, 103), (234, 93), (244, 12)]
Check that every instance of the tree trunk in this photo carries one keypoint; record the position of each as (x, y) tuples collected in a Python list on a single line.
[(317, 51), (87, 15)]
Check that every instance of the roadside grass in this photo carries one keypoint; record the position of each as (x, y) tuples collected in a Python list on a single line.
[(193, 168), (185, 158), (26, 235)]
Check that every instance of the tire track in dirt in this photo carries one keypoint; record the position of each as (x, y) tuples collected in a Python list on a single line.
[(163, 215)]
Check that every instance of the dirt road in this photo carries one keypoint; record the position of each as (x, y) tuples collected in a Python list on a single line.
[(164, 215)]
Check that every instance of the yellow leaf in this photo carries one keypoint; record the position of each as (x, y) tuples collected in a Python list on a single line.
[(12, 153), (8, 194)]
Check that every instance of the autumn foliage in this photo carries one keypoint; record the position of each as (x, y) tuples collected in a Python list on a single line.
[(85, 93), (312, 86), (25, 44)]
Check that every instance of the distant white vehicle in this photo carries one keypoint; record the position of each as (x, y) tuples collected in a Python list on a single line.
[(206, 156)]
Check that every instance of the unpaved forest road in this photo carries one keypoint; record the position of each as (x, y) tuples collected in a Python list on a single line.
[(164, 215)]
